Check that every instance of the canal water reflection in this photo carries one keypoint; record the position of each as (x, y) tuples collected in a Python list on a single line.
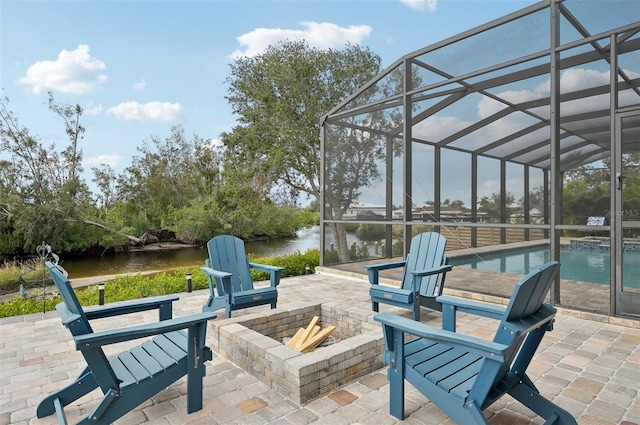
[(165, 259)]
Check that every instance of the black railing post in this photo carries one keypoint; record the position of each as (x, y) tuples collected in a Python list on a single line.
[(101, 293)]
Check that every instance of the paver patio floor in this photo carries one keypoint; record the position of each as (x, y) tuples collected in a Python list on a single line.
[(586, 365)]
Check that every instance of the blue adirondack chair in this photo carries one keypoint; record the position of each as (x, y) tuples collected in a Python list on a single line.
[(423, 281), (462, 374), (133, 376), (229, 267)]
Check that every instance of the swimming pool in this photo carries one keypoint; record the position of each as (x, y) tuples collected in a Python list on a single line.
[(586, 265)]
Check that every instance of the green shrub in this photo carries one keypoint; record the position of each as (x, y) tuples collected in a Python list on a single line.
[(19, 306), (128, 287), (131, 287), (122, 288), (294, 264)]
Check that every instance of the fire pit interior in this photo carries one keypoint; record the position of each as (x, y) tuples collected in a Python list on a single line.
[(254, 342)]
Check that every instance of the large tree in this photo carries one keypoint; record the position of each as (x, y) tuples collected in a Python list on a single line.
[(280, 97), (587, 191), (167, 173), (43, 196), (492, 206)]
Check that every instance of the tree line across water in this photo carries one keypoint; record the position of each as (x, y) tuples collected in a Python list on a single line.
[(248, 185)]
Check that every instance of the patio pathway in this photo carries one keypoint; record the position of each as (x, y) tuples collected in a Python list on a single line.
[(589, 367)]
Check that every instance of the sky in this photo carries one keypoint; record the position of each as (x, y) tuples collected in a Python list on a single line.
[(138, 68)]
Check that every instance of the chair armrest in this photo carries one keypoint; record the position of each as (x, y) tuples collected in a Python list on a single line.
[(265, 267), (472, 344), (419, 274), (385, 266), (98, 339), (224, 277), (274, 271), (429, 272), (451, 305), (134, 306), (478, 308), (215, 273), (374, 269)]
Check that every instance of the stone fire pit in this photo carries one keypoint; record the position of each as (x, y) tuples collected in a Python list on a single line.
[(254, 342)]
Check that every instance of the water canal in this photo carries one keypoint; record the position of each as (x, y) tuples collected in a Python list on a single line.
[(165, 259)]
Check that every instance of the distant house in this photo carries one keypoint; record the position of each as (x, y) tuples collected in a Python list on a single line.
[(536, 215), (365, 212), (425, 214), (456, 215)]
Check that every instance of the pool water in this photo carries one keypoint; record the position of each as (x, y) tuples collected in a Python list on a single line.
[(586, 265)]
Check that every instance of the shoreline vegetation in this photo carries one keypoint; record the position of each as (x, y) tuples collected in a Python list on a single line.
[(130, 286)]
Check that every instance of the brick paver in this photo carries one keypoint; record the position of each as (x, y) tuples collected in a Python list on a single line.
[(589, 367)]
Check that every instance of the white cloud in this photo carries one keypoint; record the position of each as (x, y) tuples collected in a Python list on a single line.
[(214, 144), (421, 5), (91, 109), (317, 34), (75, 72), (140, 85), (110, 160), (151, 111), (436, 127), (576, 79)]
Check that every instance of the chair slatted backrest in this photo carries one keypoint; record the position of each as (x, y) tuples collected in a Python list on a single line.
[(227, 254), (530, 292), (75, 319), (70, 302), (426, 252), (523, 325)]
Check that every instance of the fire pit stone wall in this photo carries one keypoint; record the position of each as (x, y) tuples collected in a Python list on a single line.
[(254, 342)]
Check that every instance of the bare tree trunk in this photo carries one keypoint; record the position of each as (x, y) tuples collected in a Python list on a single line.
[(339, 232), (102, 226)]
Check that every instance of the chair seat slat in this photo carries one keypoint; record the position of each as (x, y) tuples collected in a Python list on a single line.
[(158, 353), (133, 366), (147, 361), (431, 365), (173, 343), (451, 375), (122, 373)]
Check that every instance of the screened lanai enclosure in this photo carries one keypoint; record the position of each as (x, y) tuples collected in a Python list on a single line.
[(524, 129)]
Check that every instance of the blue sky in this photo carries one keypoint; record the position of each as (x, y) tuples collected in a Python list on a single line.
[(140, 67)]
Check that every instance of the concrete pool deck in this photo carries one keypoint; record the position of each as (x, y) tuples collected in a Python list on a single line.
[(589, 367), (588, 300)]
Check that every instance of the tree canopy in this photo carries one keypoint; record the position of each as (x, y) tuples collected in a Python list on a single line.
[(250, 184), (280, 97), (178, 183)]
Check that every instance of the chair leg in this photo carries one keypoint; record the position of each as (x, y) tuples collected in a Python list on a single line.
[(214, 303), (396, 392), (273, 304), (475, 413), (84, 384), (198, 354), (416, 311), (526, 393), (395, 374), (375, 306)]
